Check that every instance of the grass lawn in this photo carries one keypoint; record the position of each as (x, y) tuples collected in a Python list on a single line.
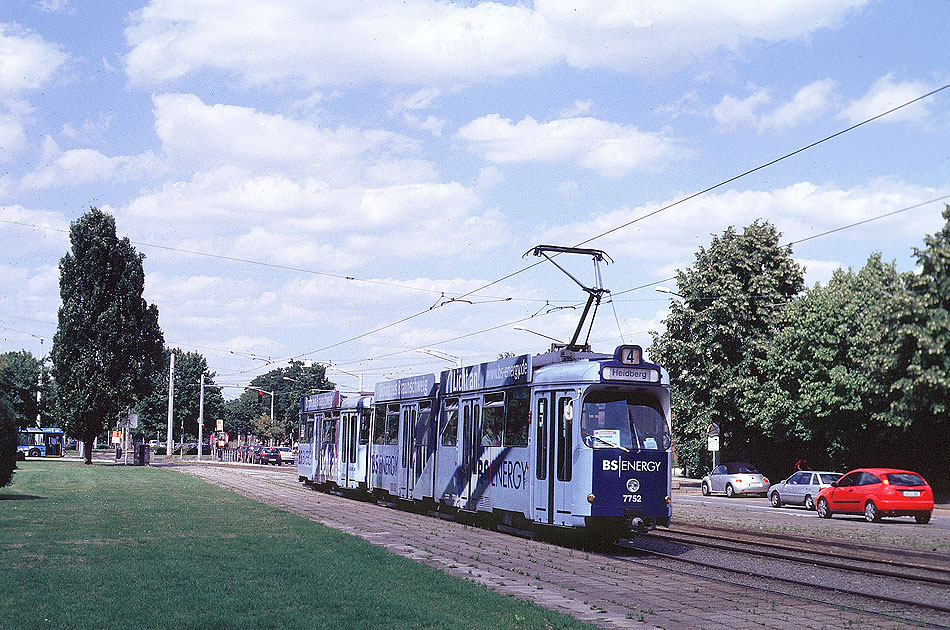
[(110, 546)]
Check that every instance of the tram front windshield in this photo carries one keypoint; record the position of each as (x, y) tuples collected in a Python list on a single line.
[(630, 420)]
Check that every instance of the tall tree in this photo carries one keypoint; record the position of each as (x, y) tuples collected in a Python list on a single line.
[(153, 409), (830, 365), (108, 345), (715, 335), (923, 391)]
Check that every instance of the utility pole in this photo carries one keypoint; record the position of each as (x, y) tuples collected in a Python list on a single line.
[(201, 414), (169, 443)]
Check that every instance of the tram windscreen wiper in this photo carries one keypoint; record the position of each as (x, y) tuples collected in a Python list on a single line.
[(610, 444)]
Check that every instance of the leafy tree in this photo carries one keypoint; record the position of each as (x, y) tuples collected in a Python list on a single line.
[(153, 410), (716, 336), (8, 430), (829, 365), (23, 372), (289, 384), (922, 403), (108, 345)]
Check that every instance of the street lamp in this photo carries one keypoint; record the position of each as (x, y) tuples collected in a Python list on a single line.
[(359, 376), (445, 356)]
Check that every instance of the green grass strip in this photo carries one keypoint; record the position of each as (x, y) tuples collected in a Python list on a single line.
[(110, 546)]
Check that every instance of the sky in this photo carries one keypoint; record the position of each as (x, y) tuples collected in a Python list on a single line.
[(357, 183)]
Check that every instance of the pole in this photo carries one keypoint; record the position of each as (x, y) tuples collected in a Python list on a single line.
[(272, 408), (201, 414), (39, 387), (169, 443)]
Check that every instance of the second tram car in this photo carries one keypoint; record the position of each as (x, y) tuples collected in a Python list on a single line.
[(564, 439)]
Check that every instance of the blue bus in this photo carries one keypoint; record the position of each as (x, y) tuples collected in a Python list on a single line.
[(40, 442)]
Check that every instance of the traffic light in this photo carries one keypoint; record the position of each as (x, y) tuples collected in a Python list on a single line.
[(260, 396)]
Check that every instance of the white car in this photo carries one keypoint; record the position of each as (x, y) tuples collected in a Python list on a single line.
[(286, 455), (802, 488), (735, 478)]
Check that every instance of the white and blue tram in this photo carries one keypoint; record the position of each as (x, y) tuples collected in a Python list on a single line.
[(333, 440), (566, 439)]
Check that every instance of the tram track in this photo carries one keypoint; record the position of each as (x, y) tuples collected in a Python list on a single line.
[(828, 558), (730, 558), (612, 587)]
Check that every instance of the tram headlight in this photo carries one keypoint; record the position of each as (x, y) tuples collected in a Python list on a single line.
[(590, 498), (669, 500)]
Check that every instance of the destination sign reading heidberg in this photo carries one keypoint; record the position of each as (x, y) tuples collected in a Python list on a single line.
[(500, 373)]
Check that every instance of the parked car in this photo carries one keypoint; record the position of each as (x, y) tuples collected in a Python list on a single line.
[(269, 455), (802, 488), (877, 492), (735, 478), (286, 455)]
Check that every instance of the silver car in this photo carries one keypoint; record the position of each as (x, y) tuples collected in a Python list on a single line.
[(735, 478), (801, 488)]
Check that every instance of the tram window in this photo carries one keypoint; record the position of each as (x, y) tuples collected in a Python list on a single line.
[(424, 423), (565, 451), (541, 465), (379, 426), (329, 430), (493, 419), (632, 420), (392, 424), (450, 422), (365, 417), (517, 417)]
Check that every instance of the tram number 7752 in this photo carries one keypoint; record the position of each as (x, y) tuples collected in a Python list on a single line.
[(632, 498)]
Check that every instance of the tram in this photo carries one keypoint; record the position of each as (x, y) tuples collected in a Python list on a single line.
[(564, 439)]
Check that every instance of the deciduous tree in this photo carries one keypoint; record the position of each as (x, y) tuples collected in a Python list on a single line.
[(922, 403), (716, 334), (108, 345)]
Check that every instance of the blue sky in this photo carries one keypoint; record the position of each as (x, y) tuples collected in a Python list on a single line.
[(301, 173)]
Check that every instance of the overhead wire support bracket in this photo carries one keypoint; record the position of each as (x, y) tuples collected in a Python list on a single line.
[(594, 294)]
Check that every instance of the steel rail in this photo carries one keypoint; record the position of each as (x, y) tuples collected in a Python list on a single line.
[(682, 537)]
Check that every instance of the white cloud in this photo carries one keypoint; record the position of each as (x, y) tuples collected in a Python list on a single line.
[(807, 105), (819, 270), (199, 136), (610, 149), (885, 94), (314, 42), (579, 108), (799, 211), (27, 62), (732, 112), (81, 166)]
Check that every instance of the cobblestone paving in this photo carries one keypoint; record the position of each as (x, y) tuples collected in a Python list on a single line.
[(609, 592)]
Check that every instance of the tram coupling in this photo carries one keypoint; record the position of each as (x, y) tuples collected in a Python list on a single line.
[(637, 523)]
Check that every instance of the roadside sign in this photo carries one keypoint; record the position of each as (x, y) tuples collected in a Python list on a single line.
[(713, 443), (129, 420), (116, 437), (220, 424)]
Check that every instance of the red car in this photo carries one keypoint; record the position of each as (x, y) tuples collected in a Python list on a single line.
[(877, 492)]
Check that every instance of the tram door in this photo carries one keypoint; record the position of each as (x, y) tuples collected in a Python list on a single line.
[(408, 440), (468, 451), (348, 453), (554, 455)]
